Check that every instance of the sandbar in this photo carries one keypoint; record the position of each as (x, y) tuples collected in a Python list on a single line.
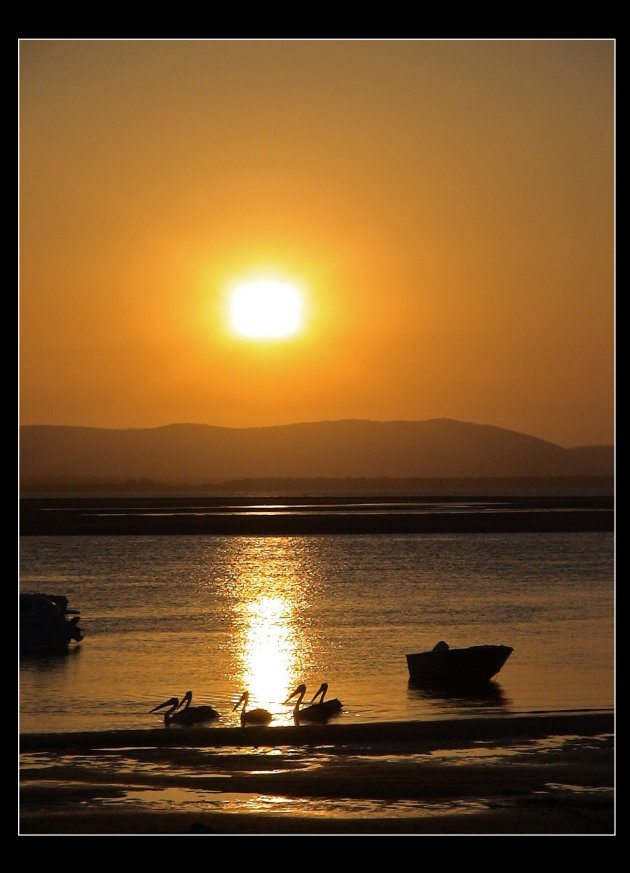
[(547, 773)]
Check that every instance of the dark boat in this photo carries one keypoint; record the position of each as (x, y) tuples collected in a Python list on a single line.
[(471, 666), (45, 624)]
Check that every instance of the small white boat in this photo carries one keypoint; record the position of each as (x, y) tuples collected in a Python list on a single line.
[(46, 624)]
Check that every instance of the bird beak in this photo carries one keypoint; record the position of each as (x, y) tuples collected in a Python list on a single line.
[(166, 703)]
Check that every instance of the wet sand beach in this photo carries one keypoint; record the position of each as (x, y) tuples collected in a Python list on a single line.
[(523, 774)]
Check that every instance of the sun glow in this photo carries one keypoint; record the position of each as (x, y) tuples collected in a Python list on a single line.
[(265, 309)]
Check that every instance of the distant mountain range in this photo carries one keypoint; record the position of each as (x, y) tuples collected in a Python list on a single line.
[(194, 454)]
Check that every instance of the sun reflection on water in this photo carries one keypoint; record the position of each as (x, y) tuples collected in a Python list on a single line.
[(267, 648), (271, 585)]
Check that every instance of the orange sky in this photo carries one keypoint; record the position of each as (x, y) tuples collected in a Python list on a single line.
[(447, 207)]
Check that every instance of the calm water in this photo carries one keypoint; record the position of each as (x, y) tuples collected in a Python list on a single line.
[(218, 615)]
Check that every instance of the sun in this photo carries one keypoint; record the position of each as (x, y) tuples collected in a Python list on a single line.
[(265, 309)]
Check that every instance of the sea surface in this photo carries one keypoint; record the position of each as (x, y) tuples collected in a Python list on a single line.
[(221, 614)]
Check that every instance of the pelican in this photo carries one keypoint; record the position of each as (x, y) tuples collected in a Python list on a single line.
[(189, 714), (169, 715), (252, 716), (330, 707), (314, 711), (193, 714), (309, 713)]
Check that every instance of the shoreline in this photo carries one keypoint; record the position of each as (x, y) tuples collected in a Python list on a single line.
[(426, 734), (547, 773), (166, 516)]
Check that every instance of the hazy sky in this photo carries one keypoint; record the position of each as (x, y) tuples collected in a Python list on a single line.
[(445, 208)]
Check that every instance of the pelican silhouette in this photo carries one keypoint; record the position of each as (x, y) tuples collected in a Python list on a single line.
[(170, 715), (308, 713), (189, 714), (193, 714), (251, 716), (328, 706), (314, 711)]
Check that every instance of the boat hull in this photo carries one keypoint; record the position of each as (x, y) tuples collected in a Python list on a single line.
[(470, 666), (45, 624)]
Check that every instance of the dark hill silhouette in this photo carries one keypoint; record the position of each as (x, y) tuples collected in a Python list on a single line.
[(196, 453)]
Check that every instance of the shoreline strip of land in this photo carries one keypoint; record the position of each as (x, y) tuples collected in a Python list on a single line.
[(184, 516), (389, 778), (426, 733)]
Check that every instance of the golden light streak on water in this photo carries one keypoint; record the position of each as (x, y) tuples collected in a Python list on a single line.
[(272, 591)]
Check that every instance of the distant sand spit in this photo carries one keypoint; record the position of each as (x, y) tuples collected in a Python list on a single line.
[(187, 516)]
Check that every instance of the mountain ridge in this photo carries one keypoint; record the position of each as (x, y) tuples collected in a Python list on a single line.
[(194, 453)]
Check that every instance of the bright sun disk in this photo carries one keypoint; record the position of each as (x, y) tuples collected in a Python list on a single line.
[(265, 309)]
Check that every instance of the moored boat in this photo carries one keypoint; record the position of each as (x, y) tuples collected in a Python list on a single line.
[(468, 666), (46, 625)]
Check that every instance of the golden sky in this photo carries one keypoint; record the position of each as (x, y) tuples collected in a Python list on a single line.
[(445, 208)]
